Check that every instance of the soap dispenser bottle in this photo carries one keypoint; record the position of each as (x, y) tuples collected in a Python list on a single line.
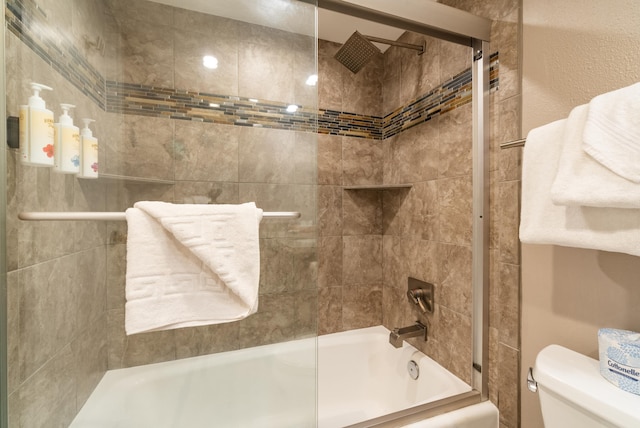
[(67, 143), (36, 130), (88, 152)]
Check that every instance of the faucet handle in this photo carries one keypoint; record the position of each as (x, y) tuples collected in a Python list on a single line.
[(421, 297), (421, 294)]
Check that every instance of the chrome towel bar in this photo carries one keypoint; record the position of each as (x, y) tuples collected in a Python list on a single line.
[(118, 216), (514, 143)]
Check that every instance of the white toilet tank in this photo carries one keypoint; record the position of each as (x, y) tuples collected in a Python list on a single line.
[(574, 394)]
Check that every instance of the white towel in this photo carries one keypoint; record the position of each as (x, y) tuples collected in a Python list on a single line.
[(581, 180), (190, 265), (612, 131), (543, 222)]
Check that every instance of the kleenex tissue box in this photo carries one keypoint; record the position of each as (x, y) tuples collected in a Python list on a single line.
[(620, 358)]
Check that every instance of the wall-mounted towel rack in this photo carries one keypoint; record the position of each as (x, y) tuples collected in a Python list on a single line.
[(118, 216), (514, 143)]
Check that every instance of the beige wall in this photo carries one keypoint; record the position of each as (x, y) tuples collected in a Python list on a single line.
[(572, 51)]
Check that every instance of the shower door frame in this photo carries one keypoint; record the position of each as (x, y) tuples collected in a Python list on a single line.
[(457, 26)]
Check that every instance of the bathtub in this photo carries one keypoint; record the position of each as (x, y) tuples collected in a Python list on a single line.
[(360, 376)]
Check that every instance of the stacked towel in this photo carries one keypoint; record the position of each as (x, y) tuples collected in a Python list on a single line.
[(581, 177), (190, 265), (612, 131), (543, 222), (581, 180)]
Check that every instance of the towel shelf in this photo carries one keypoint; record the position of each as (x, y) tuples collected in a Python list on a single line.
[(515, 143), (119, 216)]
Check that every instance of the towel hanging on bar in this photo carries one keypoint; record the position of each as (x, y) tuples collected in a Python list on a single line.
[(190, 264), (117, 216)]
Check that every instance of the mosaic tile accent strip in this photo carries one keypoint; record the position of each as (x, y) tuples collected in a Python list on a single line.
[(450, 95), (349, 124), (171, 103), (29, 23)]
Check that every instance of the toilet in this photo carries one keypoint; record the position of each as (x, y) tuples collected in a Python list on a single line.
[(574, 394)]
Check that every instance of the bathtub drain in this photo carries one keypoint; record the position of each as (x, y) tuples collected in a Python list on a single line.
[(413, 369)]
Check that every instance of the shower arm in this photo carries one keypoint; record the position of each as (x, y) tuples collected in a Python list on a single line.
[(419, 48)]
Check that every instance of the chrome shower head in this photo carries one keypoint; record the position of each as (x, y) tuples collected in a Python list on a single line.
[(356, 52)]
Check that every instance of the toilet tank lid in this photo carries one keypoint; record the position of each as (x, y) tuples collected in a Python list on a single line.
[(576, 378)]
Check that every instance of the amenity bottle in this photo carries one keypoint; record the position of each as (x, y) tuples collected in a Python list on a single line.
[(88, 152), (67, 143), (36, 130)]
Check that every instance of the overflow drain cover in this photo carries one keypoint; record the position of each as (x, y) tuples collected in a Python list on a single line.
[(413, 369)]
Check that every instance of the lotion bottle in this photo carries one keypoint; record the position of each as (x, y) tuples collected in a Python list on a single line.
[(88, 152), (67, 143), (36, 130)]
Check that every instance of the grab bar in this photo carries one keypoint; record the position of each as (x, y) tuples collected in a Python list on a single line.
[(118, 216)]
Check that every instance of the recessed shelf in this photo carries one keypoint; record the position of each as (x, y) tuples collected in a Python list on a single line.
[(135, 179), (379, 187)]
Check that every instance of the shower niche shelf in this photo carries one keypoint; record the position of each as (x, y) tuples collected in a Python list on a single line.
[(113, 177), (379, 187)]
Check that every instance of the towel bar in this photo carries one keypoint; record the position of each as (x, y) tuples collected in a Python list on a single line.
[(117, 216), (515, 143)]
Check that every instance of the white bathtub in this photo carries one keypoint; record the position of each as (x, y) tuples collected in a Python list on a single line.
[(360, 376)]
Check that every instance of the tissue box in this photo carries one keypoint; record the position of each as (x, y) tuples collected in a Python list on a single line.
[(620, 358)]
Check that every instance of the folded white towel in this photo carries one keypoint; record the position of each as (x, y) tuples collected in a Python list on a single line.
[(190, 265), (581, 180), (543, 222), (612, 131)]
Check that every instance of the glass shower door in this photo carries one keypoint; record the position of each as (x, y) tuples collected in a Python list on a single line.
[(192, 106)]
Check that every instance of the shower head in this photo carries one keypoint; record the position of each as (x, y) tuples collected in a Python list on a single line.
[(356, 52)]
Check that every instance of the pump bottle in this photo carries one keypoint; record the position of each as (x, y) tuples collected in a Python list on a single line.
[(67, 143), (36, 130), (88, 152)]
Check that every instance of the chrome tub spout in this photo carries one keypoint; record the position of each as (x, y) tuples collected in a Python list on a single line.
[(398, 335)]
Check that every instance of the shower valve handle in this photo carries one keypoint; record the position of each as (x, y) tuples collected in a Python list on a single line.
[(421, 297)]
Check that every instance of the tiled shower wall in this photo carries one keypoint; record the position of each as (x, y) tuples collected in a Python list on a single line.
[(192, 145), (371, 241)]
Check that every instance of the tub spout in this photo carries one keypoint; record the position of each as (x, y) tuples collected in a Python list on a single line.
[(398, 335)]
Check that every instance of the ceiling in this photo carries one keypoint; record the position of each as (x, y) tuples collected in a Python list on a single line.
[(290, 16)]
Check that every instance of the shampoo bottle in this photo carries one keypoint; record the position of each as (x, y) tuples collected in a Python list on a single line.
[(88, 152), (36, 130), (67, 143)]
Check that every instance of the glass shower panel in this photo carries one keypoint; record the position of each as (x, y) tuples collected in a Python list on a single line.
[(173, 125)]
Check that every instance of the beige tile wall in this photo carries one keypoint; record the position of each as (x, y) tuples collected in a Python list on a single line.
[(245, 171), (426, 231), (214, 163)]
